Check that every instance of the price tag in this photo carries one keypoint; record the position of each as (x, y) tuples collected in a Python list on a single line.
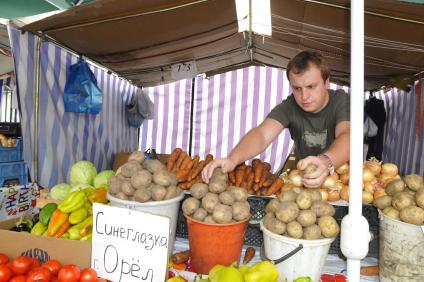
[(129, 245), (184, 70)]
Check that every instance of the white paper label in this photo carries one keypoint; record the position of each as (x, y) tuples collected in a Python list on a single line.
[(129, 245), (184, 70)]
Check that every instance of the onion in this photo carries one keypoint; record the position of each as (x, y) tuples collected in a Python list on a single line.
[(287, 186), (324, 194), (379, 193), (367, 197), (343, 169), (335, 176), (338, 185), (370, 186), (374, 165), (389, 169), (385, 179), (367, 175), (296, 179), (333, 195), (344, 193), (299, 165), (294, 172), (329, 182), (344, 178)]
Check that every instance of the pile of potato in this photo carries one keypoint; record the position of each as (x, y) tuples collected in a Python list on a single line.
[(216, 203), (7, 141), (301, 214), (404, 199), (143, 180)]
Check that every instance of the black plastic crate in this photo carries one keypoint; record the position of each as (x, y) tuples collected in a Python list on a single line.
[(371, 214)]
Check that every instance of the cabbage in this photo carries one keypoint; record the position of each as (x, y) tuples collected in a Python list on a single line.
[(60, 191), (82, 172), (101, 179), (80, 187)]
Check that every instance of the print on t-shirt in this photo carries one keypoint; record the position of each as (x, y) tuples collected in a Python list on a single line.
[(315, 139)]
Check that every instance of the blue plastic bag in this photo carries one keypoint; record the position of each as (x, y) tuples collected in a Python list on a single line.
[(82, 95)]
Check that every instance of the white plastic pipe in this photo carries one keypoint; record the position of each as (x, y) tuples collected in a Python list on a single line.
[(355, 234)]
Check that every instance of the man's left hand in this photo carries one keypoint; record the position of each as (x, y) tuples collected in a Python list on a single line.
[(316, 178)]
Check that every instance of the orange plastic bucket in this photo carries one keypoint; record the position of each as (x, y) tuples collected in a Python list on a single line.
[(212, 244)]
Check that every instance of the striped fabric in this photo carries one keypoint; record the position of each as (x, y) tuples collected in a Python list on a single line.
[(65, 138)]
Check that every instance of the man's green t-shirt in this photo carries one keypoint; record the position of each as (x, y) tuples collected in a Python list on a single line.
[(312, 133)]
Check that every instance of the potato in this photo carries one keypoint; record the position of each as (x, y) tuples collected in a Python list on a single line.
[(419, 198), (315, 195), (218, 175), (200, 214), (217, 186), (190, 205), (172, 192), (226, 197), (240, 194), (287, 211), (402, 200), (158, 192), (141, 179), (413, 215), (383, 202), (209, 201), (142, 195), (395, 186), (122, 178), (288, 195), (121, 196), (137, 156), (329, 226), (127, 188), (392, 212), (306, 218), (272, 206), (222, 213), (275, 226), (130, 168), (322, 208), (163, 177), (209, 219), (304, 199), (154, 166), (115, 185), (295, 230), (414, 182), (199, 190), (312, 232), (240, 211)]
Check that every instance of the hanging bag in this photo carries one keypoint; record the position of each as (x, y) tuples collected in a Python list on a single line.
[(139, 109), (82, 95)]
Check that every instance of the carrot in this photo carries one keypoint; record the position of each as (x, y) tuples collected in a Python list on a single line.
[(247, 171), (258, 169), (182, 175), (244, 185), (255, 186), (248, 255), (265, 174), (179, 161), (268, 182), (250, 180), (267, 166), (198, 169), (256, 162), (189, 165), (239, 176), (186, 160), (181, 257), (208, 158), (183, 185), (232, 177), (370, 270), (278, 183), (172, 158)]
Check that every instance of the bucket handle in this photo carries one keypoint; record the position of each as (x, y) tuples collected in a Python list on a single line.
[(283, 258)]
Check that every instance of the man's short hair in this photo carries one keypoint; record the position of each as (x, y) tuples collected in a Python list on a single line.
[(302, 61)]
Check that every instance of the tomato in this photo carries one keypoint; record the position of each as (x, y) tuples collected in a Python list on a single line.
[(53, 265), (3, 258), (5, 273), (35, 263), (69, 273), (21, 265), (101, 280), (18, 278), (39, 273), (88, 275)]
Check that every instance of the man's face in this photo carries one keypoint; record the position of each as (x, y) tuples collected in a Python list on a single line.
[(309, 89)]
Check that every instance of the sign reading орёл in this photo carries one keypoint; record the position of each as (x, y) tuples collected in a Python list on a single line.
[(129, 245)]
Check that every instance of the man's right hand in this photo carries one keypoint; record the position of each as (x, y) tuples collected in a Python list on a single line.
[(226, 165)]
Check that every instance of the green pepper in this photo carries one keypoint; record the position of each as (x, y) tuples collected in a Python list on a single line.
[(78, 216), (98, 195), (263, 271), (46, 213), (87, 237), (220, 273), (303, 279), (38, 229), (65, 235), (73, 202), (80, 230), (56, 221)]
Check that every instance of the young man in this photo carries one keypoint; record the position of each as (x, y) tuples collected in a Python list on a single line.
[(317, 118)]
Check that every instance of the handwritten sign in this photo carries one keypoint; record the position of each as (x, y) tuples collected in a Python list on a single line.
[(18, 200), (184, 70), (129, 245)]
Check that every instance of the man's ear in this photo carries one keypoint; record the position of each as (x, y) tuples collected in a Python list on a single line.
[(327, 82)]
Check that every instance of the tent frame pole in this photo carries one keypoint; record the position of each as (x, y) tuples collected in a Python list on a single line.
[(36, 109)]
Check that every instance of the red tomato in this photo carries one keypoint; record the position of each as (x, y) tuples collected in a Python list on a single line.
[(19, 278), (21, 265), (39, 273), (3, 258), (101, 280), (5, 273), (35, 263), (69, 273), (88, 275), (53, 265)]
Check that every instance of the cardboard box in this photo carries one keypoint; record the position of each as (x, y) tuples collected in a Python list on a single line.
[(66, 251), (120, 159)]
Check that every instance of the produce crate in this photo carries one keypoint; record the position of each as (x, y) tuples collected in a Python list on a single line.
[(11, 154), (14, 171), (371, 214)]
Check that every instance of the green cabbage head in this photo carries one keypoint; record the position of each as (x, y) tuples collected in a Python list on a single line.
[(60, 191), (101, 179), (82, 172)]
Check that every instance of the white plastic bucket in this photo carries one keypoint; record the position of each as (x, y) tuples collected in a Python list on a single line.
[(168, 208), (308, 261), (401, 250)]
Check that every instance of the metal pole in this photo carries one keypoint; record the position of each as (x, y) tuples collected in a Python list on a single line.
[(36, 109)]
